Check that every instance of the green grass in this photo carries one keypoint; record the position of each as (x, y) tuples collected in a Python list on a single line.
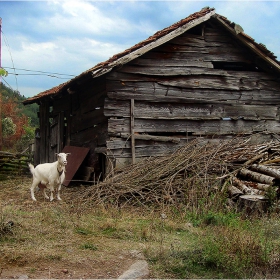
[(88, 246), (206, 241)]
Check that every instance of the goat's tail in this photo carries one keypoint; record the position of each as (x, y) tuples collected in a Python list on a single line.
[(31, 168)]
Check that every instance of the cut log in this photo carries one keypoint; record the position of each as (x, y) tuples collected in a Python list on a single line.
[(266, 170), (234, 192), (261, 178), (252, 204), (259, 186), (243, 187)]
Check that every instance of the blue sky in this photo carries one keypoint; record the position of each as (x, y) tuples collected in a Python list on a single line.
[(58, 39)]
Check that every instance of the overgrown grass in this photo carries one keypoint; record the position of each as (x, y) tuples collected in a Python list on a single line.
[(179, 241), (221, 246)]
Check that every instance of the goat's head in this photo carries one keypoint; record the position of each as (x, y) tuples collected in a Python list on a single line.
[(62, 158)]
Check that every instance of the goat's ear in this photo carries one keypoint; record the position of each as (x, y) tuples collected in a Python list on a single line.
[(68, 154)]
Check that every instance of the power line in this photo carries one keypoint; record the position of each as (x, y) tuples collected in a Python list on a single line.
[(52, 76), (6, 42), (38, 71)]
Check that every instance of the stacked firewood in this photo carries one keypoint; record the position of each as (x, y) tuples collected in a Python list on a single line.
[(188, 175), (254, 179)]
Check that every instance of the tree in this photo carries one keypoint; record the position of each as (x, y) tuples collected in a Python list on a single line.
[(8, 127), (3, 72), (13, 121), (18, 121)]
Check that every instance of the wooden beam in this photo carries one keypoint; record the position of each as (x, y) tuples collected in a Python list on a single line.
[(152, 137), (132, 130)]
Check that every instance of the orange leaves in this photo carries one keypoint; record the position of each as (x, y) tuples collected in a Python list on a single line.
[(11, 110)]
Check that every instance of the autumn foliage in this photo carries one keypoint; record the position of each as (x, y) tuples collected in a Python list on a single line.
[(11, 110)]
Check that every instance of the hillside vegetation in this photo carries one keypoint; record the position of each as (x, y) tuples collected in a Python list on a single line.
[(18, 121)]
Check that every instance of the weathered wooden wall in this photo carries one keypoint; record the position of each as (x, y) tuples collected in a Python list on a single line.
[(75, 119), (202, 83)]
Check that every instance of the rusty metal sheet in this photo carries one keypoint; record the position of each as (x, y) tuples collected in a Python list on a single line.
[(78, 154)]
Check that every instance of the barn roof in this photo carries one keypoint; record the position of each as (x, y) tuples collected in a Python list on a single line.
[(160, 38)]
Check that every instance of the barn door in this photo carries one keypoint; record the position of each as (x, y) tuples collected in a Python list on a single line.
[(56, 136)]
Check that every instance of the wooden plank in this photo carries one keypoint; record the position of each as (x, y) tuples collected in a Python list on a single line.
[(215, 82), (122, 77), (148, 137), (132, 130), (85, 121), (196, 42), (219, 127), (126, 78), (92, 102), (121, 148), (160, 110), (171, 62), (44, 132), (90, 136), (264, 97), (228, 57)]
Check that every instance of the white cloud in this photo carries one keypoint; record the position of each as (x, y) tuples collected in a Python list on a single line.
[(83, 17)]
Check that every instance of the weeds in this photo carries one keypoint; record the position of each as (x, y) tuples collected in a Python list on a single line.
[(202, 240), (6, 226), (88, 246), (223, 246)]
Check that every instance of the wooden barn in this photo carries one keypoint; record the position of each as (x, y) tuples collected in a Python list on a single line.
[(200, 77)]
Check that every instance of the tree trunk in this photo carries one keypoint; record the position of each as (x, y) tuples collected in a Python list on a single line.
[(252, 204)]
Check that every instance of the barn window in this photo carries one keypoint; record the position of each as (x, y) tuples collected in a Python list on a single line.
[(236, 66)]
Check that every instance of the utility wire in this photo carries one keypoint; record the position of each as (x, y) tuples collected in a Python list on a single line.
[(9, 49), (38, 71), (53, 76)]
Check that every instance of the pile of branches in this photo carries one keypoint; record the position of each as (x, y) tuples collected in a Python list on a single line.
[(188, 175)]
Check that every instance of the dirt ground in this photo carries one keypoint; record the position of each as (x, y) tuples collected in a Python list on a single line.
[(51, 258), (109, 267)]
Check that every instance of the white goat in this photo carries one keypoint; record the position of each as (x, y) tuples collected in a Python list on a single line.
[(49, 175)]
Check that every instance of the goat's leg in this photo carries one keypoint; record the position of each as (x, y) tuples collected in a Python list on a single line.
[(52, 190), (33, 186), (58, 192), (45, 194), (43, 188)]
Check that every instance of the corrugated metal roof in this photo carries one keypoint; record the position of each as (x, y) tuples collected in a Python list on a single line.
[(159, 37)]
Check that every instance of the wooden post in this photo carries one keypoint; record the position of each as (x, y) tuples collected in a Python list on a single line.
[(132, 130)]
